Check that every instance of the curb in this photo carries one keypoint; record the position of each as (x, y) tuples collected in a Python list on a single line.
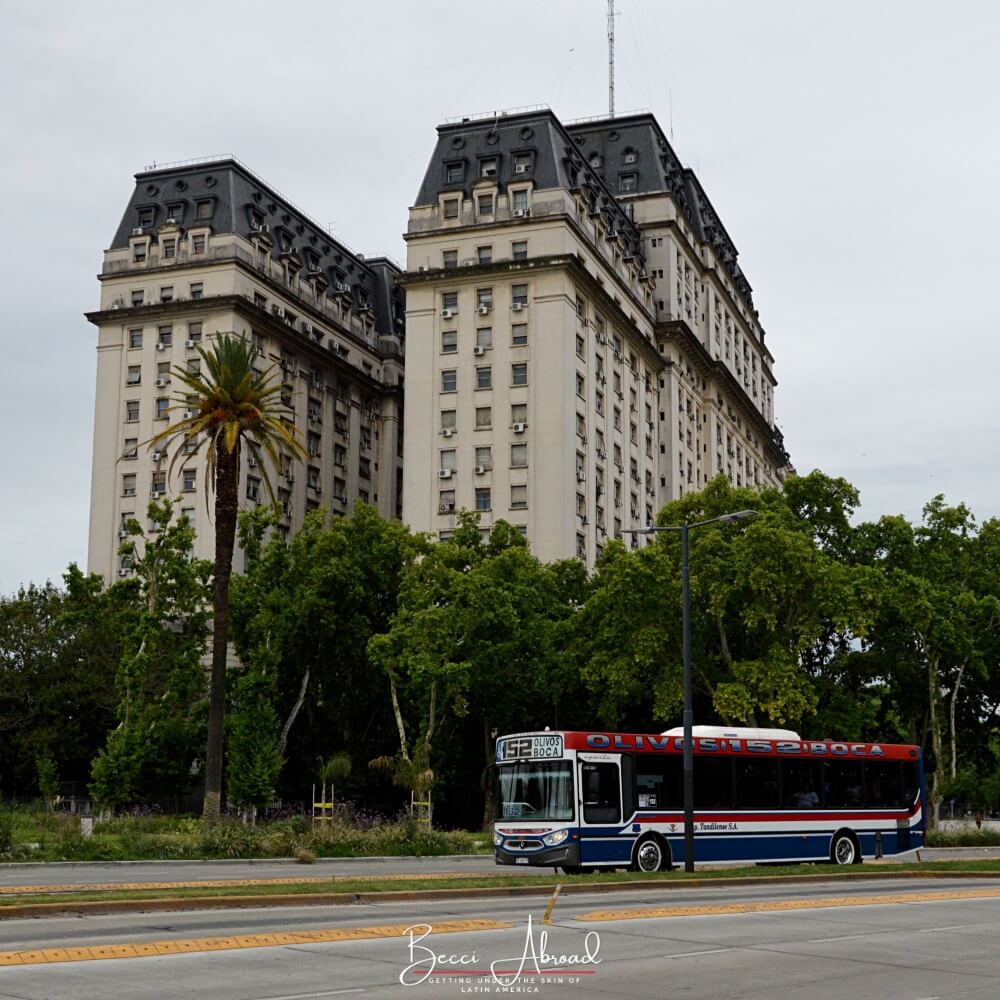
[(374, 859), (95, 907)]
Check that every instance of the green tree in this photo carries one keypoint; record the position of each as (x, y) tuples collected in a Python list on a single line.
[(160, 679), (232, 405)]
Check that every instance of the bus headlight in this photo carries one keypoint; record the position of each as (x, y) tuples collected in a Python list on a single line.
[(497, 839), (558, 837)]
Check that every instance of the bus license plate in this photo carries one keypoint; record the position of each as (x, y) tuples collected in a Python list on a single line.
[(521, 861)]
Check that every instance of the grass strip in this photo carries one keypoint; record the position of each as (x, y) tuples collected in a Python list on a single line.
[(368, 885)]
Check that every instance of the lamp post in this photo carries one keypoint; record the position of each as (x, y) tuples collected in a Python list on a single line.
[(683, 530)]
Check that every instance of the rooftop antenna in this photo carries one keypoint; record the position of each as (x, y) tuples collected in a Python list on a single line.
[(611, 58)]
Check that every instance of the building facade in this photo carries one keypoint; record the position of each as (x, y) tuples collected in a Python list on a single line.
[(582, 343), (207, 248)]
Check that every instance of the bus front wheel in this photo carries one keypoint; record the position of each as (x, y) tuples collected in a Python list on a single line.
[(844, 849), (651, 855)]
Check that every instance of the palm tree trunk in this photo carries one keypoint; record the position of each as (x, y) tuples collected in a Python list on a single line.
[(227, 475)]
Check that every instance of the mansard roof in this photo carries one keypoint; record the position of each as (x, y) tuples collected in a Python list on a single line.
[(226, 196)]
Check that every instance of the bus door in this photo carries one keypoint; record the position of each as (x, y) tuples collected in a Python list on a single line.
[(600, 799)]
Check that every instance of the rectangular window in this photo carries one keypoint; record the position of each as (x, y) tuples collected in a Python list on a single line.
[(128, 484), (519, 295), (134, 375), (131, 449), (518, 497), (364, 468), (449, 380), (449, 341), (162, 405), (448, 459), (519, 200), (449, 258), (519, 335), (190, 480), (484, 204), (253, 488), (484, 417), (203, 209), (169, 249), (167, 293), (197, 290), (522, 163), (484, 337), (484, 377), (132, 411), (484, 457), (194, 366), (165, 335), (581, 385), (139, 252), (339, 455), (145, 217), (484, 298), (519, 373), (519, 250), (482, 498), (599, 402), (519, 413), (449, 300), (134, 339), (194, 333), (450, 208), (158, 483), (314, 443), (581, 425), (312, 477), (488, 167), (446, 501), (137, 297), (581, 346), (628, 182), (454, 173), (484, 255), (518, 455), (448, 419)]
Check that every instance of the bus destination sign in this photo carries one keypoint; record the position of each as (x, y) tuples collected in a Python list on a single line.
[(522, 747)]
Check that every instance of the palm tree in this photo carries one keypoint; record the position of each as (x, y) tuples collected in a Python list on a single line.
[(227, 404)]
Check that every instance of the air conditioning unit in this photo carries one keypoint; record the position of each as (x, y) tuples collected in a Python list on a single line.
[(516, 306), (252, 462), (161, 347), (124, 572), (188, 414), (157, 455), (155, 494), (481, 470), (122, 533), (520, 213), (448, 313), (602, 453), (445, 508), (192, 344), (170, 222), (448, 431), (519, 428), (138, 231), (484, 309), (278, 311), (581, 475), (162, 381), (520, 168), (445, 473), (479, 350), (618, 503)]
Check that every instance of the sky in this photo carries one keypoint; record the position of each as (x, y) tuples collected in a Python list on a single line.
[(850, 149)]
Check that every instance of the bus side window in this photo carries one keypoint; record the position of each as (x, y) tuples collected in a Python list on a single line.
[(842, 783), (713, 782), (883, 785), (911, 783), (801, 784), (658, 782), (756, 784)]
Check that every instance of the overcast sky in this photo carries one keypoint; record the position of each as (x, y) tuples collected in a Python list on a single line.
[(851, 150)]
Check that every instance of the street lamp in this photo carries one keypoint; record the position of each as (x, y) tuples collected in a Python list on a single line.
[(683, 530)]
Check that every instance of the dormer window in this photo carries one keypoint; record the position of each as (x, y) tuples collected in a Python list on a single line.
[(175, 212), (595, 161), (203, 209), (630, 156), (522, 163), (145, 217), (454, 172), (488, 167), (628, 182)]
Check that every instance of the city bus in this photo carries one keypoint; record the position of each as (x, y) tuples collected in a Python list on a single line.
[(596, 800)]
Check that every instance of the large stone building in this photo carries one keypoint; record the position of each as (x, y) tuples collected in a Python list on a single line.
[(582, 343), (207, 248)]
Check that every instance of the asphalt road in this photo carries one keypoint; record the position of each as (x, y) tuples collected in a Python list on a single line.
[(823, 941), (186, 871)]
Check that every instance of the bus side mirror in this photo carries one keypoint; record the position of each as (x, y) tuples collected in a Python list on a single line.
[(484, 777)]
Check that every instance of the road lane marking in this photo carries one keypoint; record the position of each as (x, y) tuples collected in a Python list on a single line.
[(145, 949), (311, 996), (695, 954), (778, 905)]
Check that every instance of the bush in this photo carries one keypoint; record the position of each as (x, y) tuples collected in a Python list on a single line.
[(6, 831)]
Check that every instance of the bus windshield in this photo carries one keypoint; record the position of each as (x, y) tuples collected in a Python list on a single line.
[(536, 790)]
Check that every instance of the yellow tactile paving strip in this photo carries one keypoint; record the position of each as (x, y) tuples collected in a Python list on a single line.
[(773, 906), (70, 887), (147, 949)]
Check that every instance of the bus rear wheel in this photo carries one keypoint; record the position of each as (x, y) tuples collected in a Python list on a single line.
[(651, 855), (844, 849)]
